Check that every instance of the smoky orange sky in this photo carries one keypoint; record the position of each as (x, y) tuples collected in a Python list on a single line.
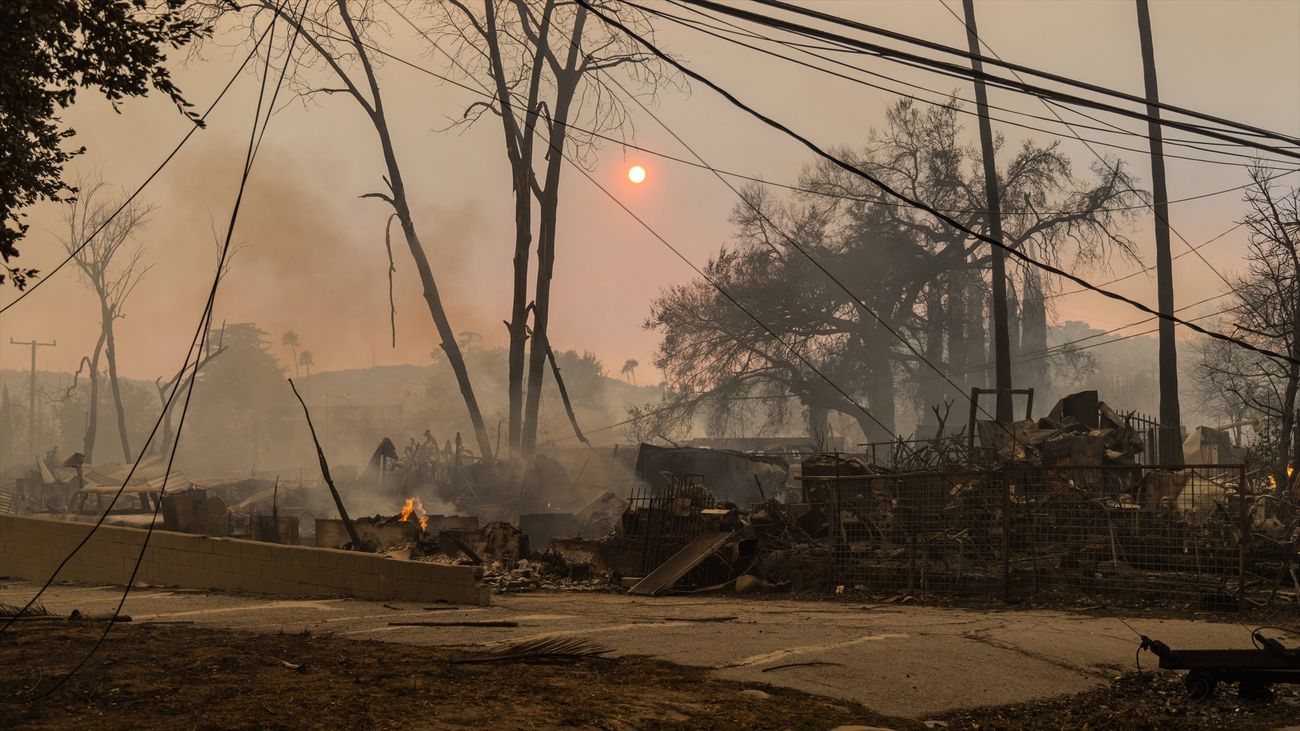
[(313, 256)]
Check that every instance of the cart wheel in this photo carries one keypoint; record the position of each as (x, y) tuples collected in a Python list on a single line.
[(1200, 684), (1254, 690)]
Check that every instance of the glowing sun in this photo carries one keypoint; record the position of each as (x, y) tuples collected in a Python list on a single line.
[(636, 174)]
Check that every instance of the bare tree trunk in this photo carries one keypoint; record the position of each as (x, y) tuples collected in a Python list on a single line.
[(955, 318), (518, 324), (566, 83), (519, 149), (92, 418), (1033, 336), (933, 388), (111, 354), (880, 391), (977, 339), (819, 425)]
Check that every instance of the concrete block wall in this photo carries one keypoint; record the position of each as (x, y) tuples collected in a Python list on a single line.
[(31, 548)]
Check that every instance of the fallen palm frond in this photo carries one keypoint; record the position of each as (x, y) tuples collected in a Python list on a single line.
[(37, 609), (552, 649)]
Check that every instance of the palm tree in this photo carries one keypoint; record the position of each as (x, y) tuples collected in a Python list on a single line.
[(306, 362), (290, 339), (629, 368)]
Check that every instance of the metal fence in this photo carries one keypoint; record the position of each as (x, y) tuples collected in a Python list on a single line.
[(660, 521), (1199, 534)]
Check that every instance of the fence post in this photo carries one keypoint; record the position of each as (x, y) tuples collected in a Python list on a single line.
[(1245, 539), (832, 523), (1006, 536)]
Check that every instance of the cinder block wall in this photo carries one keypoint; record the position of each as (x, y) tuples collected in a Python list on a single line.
[(31, 548)]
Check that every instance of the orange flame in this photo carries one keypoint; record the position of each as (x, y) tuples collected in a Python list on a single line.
[(424, 522), (407, 509)]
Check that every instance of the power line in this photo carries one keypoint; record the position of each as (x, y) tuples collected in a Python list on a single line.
[(1113, 129), (742, 176), (1095, 88), (997, 81), (199, 124), (787, 186), (918, 204)]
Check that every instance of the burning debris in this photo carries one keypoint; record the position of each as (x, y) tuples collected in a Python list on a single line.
[(414, 505)]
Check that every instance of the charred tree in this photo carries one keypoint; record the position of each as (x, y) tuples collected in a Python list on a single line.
[(112, 269)]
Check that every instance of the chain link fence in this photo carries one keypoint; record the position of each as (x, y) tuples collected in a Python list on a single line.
[(1204, 534)]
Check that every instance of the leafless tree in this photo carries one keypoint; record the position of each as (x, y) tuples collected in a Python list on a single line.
[(1267, 312), (112, 268), (546, 72)]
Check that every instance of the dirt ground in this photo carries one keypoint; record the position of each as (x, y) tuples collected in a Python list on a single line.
[(175, 676), (169, 676), (1146, 700)]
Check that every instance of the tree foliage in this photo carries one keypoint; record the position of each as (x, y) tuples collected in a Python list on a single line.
[(916, 288), (52, 49)]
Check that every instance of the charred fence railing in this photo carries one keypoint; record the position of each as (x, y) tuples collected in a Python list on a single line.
[(660, 521), (1201, 534)]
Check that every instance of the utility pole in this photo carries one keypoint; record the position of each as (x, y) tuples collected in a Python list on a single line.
[(1171, 443), (1001, 339), (31, 402)]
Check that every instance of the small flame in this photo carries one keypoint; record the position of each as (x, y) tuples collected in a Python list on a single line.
[(414, 505)]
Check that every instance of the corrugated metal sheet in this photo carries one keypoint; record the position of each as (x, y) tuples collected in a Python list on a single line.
[(148, 476)]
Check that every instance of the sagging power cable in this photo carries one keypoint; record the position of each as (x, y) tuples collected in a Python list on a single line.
[(967, 72), (725, 35)]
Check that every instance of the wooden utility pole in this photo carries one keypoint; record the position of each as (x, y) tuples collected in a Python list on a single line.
[(31, 398), (1001, 339), (1171, 442)]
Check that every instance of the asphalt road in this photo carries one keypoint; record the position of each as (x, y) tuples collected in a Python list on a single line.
[(895, 659)]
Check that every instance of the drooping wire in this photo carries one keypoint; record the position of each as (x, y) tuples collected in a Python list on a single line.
[(1240, 127), (723, 34)]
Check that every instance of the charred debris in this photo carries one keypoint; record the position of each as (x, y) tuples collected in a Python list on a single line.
[(1070, 502)]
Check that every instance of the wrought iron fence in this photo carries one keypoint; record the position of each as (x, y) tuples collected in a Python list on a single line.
[(1202, 534), (659, 521)]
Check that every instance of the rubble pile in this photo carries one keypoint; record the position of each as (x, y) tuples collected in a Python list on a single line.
[(1079, 431)]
